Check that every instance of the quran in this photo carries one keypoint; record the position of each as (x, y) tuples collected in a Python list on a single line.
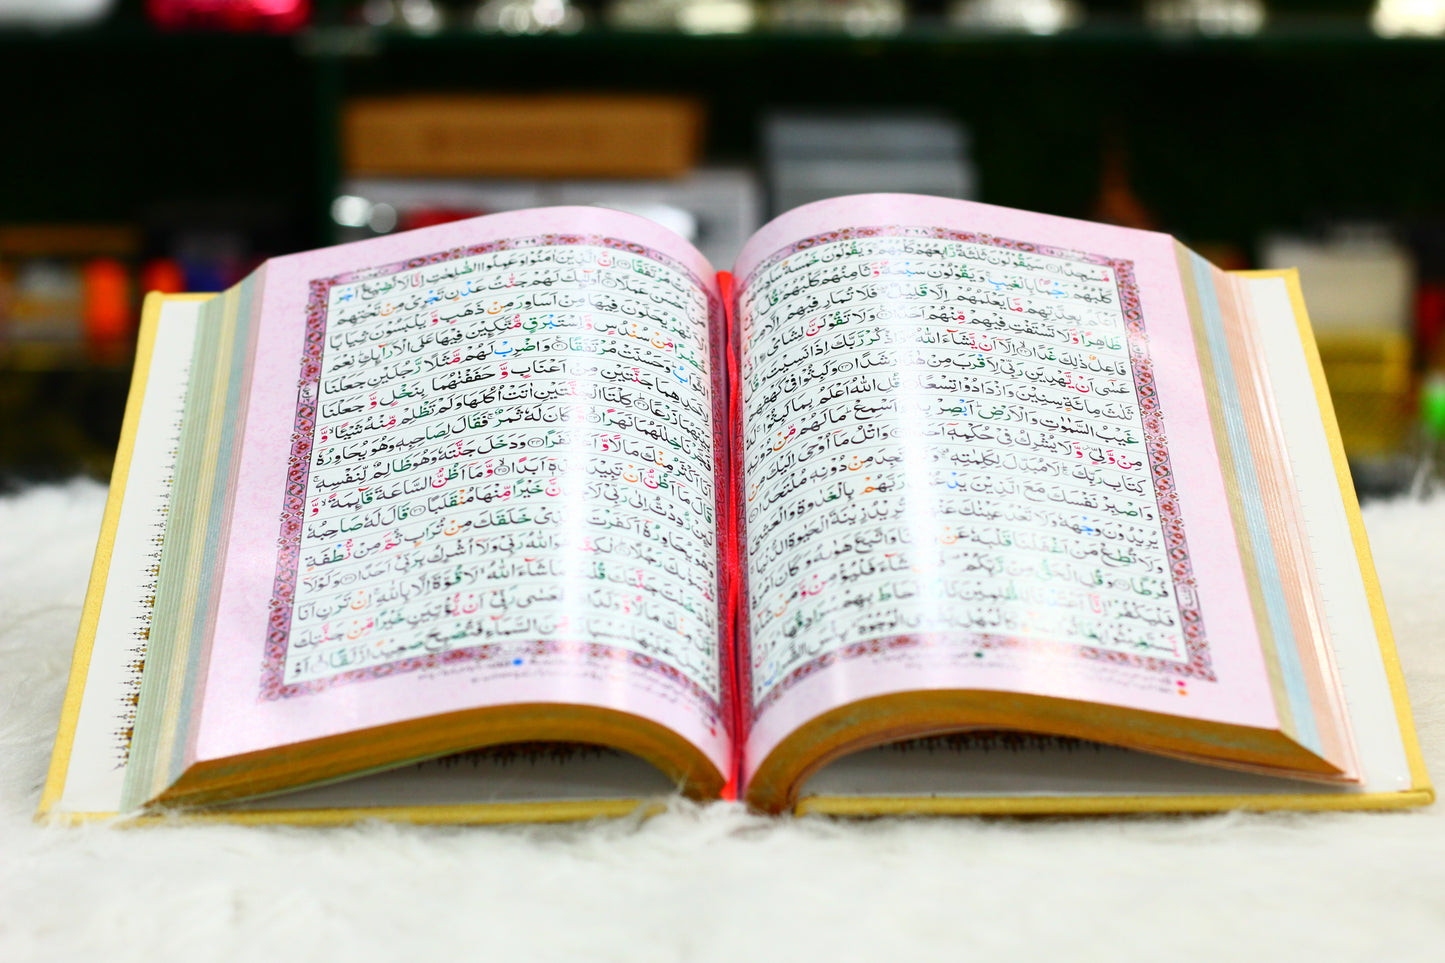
[(924, 506)]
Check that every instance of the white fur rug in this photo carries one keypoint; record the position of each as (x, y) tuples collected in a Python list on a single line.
[(706, 883)]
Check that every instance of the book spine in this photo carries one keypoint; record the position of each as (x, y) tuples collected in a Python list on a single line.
[(733, 576)]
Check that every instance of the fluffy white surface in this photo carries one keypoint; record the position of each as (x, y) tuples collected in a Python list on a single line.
[(712, 882)]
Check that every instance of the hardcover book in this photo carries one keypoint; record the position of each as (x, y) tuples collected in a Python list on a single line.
[(925, 506)]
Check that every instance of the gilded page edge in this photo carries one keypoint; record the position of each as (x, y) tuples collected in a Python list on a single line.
[(1084, 805), (421, 814), (105, 545), (1419, 778), (1191, 284)]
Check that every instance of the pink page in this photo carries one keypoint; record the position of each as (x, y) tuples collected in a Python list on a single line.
[(1073, 536), (475, 471)]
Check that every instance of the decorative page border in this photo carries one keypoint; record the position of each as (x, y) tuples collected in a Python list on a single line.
[(283, 593), (1198, 664)]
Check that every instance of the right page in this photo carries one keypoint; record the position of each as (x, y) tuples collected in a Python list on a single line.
[(1017, 773), (980, 487)]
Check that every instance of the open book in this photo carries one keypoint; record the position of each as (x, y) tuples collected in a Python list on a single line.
[(926, 506)]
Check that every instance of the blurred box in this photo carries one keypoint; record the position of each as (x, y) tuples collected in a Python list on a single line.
[(715, 208), (814, 156), (1370, 379), (521, 136), (50, 290), (41, 300), (68, 240), (1360, 288), (1350, 283)]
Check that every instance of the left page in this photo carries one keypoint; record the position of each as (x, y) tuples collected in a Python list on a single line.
[(476, 470)]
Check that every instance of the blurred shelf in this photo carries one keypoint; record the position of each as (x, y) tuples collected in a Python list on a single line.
[(918, 35), (141, 39), (1310, 118), (1333, 35)]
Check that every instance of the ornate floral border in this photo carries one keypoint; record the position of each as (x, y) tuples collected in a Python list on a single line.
[(1198, 664), (273, 684)]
